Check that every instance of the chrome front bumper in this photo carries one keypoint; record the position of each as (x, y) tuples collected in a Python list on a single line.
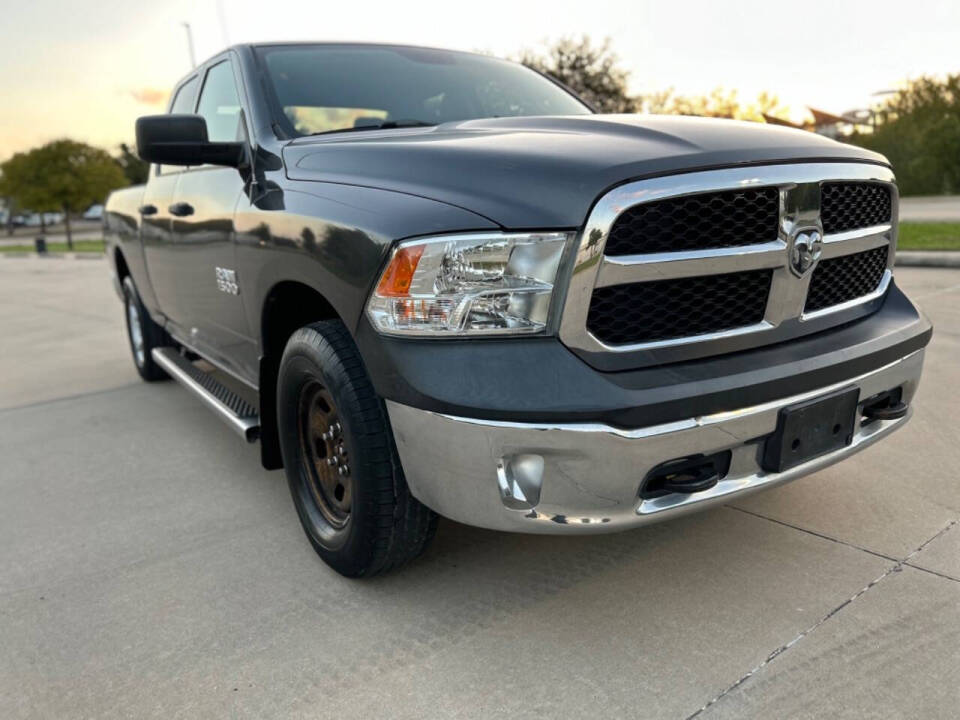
[(585, 477)]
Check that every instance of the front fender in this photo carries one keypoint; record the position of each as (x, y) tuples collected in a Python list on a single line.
[(332, 238)]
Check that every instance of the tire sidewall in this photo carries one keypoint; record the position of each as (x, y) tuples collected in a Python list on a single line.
[(310, 358), (153, 335), (130, 297)]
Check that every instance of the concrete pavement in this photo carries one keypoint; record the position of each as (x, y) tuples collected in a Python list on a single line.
[(928, 258), (150, 568)]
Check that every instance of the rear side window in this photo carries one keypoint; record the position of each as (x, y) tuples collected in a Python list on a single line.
[(220, 104), (185, 98), (183, 103)]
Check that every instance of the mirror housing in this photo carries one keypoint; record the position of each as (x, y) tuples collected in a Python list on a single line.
[(182, 140)]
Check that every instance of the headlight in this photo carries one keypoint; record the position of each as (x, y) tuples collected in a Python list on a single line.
[(485, 283)]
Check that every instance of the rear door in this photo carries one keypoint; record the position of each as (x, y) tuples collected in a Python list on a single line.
[(210, 308)]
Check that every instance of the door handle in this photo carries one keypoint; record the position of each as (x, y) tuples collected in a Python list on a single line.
[(181, 209), (147, 210)]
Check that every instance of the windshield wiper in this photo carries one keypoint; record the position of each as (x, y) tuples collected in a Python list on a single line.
[(388, 125)]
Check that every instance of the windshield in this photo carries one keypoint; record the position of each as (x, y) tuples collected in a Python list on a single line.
[(328, 88)]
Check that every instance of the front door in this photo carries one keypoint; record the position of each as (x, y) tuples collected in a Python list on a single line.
[(211, 316)]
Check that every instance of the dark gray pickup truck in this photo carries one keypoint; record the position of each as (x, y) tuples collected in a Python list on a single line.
[(432, 282)]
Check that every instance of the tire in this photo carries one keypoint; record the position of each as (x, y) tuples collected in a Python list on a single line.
[(340, 459), (143, 334)]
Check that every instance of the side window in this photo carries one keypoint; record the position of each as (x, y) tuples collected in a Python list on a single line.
[(183, 103), (220, 104), (185, 98)]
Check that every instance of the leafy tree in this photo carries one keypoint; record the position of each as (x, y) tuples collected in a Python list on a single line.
[(62, 174), (918, 129), (20, 184), (590, 71), (133, 167), (10, 204), (593, 72), (718, 103)]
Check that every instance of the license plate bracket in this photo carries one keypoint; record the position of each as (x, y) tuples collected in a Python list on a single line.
[(811, 428)]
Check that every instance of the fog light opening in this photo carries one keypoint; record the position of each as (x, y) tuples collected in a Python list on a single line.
[(520, 478)]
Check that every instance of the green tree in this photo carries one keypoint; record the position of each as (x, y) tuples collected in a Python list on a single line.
[(61, 175), (594, 73), (719, 103), (10, 204), (590, 71), (133, 167), (918, 129)]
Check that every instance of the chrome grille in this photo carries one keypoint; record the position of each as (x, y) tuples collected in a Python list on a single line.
[(851, 205), (651, 281), (846, 278), (694, 222), (668, 309)]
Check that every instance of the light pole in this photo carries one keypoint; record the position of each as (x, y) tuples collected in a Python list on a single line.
[(193, 57), (222, 15)]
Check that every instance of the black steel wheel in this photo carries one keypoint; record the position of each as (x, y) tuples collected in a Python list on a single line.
[(324, 454), (339, 456)]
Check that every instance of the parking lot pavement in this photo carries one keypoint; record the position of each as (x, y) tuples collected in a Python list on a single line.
[(62, 330), (150, 568)]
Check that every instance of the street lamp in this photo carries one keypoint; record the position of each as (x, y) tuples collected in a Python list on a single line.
[(193, 57)]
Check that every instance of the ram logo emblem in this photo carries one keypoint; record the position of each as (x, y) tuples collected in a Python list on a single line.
[(805, 250)]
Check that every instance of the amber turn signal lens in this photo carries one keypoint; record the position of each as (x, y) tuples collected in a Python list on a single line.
[(398, 276)]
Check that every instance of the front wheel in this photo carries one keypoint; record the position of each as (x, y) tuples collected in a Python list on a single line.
[(340, 460)]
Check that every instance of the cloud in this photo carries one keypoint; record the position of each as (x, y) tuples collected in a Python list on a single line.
[(149, 96)]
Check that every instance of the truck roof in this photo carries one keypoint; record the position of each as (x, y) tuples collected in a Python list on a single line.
[(334, 43)]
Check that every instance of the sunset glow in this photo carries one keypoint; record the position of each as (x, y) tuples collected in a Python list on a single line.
[(86, 71)]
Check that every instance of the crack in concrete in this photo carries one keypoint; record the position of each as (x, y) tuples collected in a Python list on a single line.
[(783, 648), (849, 544), (814, 533), (932, 572)]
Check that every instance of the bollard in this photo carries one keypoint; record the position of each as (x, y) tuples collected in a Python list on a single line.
[(40, 243)]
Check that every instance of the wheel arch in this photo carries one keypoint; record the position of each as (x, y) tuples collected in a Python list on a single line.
[(287, 306), (120, 264)]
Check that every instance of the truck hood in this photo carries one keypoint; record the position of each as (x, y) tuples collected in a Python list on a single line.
[(546, 172)]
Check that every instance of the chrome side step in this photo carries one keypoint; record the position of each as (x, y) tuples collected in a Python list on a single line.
[(229, 407)]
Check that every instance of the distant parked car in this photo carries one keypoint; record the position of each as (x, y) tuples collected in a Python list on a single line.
[(48, 218), (94, 212)]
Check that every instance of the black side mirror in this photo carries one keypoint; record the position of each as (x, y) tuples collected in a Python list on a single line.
[(182, 140)]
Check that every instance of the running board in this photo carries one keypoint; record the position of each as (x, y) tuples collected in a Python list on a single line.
[(228, 406)]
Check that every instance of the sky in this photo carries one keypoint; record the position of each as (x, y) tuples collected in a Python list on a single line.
[(87, 70)]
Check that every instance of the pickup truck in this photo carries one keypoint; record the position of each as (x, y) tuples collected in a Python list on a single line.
[(437, 283)]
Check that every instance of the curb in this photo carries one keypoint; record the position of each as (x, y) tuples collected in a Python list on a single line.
[(927, 258)]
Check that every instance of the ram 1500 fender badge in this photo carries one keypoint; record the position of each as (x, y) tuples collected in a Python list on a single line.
[(805, 249), (227, 281)]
